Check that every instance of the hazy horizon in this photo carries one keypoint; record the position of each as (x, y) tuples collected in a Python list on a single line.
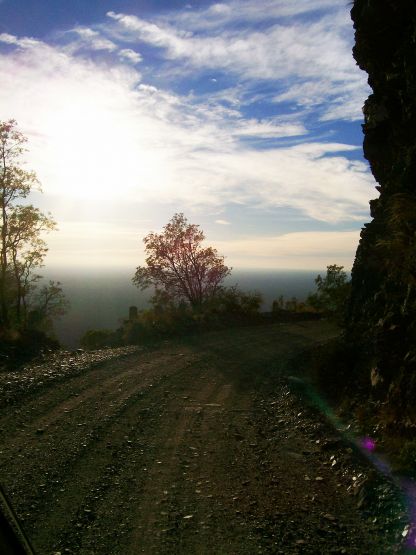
[(100, 299)]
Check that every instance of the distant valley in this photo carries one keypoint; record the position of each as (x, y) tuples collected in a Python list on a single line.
[(99, 299)]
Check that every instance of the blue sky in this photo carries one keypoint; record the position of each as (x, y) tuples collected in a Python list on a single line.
[(245, 115)]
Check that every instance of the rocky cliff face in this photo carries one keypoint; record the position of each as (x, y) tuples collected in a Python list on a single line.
[(383, 306)]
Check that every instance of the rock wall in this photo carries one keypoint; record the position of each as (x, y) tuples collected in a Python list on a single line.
[(382, 314)]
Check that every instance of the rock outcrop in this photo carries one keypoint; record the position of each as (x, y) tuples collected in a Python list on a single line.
[(383, 305)]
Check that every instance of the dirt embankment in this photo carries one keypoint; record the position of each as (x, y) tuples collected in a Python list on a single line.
[(199, 448)]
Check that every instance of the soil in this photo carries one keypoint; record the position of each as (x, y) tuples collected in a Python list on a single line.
[(196, 447)]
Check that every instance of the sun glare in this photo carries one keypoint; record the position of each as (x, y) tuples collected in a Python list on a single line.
[(96, 154)]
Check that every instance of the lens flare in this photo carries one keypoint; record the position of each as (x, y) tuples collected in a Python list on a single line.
[(368, 444)]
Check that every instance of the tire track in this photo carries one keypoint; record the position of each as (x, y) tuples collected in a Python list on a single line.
[(186, 450), (70, 441)]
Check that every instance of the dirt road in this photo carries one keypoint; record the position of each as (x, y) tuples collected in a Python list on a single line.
[(196, 448)]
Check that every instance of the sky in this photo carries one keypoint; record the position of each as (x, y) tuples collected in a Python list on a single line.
[(245, 115)]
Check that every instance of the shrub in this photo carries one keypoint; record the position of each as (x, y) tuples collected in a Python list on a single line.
[(231, 302), (22, 346), (97, 339), (333, 291), (229, 306)]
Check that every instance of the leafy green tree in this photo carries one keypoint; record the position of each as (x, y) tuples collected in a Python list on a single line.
[(22, 248), (178, 266), (333, 291)]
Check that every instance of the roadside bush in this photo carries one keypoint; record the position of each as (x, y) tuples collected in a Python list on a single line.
[(97, 339), (229, 306), (281, 305), (292, 310), (330, 298), (163, 320), (22, 346), (232, 304), (333, 292)]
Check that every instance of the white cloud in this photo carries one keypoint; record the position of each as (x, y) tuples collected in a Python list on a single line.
[(311, 60), (25, 42), (108, 245), (222, 222), (342, 101), (325, 188), (130, 55), (302, 49), (99, 133), (269, 129), (90, 39), (8, 39), (251, 11), (85, 32), (306, 250), (120, 246), (96, 131)]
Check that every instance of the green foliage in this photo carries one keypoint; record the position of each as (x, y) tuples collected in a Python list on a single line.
[(166, 318), (22, 247), (333, 291), (232, 302), (293, 305)]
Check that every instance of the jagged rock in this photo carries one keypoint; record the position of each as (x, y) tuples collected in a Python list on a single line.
[(383, 305)]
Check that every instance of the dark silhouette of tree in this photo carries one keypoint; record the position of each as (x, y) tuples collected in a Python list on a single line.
[(47, 303), (22, 248), (332, 294), (178, 266)]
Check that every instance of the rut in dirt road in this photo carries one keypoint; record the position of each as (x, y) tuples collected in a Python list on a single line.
[(193, 448)]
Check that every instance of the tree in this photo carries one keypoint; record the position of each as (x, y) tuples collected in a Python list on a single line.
[(333, 292), (178, 266), (48, 303), (22, 248)]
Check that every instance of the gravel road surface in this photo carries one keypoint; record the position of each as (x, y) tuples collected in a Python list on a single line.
[(198, 447)]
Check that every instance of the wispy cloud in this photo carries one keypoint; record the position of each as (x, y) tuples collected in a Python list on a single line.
[(98, 128), (120, 246), (249, 11), (110, 245), (130, 55), (310, 59), (24, 42), (222, 222), (314, 250), (269, 129), (89, 38), (280, 51), (110, 115)]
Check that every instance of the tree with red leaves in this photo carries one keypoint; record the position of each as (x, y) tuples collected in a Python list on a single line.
[(178, 266)]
